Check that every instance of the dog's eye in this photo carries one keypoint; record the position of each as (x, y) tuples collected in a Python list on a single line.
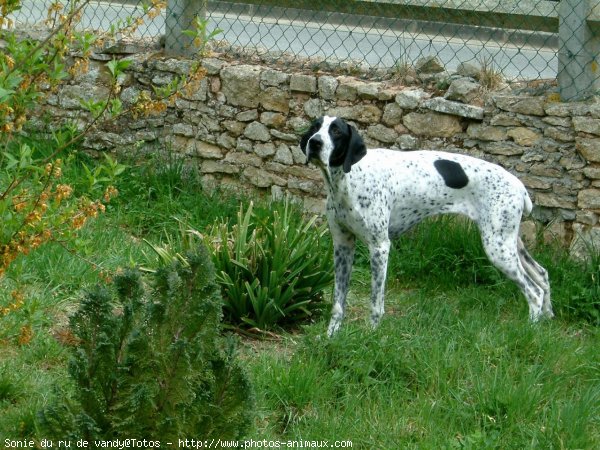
[(336, 132)]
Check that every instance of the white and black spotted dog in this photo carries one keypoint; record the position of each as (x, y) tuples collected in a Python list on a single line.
[(378, 194)]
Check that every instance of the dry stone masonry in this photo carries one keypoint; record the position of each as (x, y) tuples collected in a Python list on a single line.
[(241, 129)]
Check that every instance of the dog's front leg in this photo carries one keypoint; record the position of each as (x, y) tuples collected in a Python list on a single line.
[(379, 252), (343, 251)]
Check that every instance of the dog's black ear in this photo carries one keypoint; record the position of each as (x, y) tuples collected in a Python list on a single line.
[(304, 140), (356, 149)]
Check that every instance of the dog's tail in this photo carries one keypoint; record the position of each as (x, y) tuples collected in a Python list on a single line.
[(527, 205)]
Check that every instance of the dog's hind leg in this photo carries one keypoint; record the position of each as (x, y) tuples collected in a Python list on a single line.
[(379, 252), (501, 248), (343, 257), (539, 274)]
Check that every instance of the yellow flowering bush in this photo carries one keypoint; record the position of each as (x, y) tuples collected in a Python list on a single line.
[(36, 205)]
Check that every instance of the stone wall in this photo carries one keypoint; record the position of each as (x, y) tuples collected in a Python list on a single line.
[(241, 128)]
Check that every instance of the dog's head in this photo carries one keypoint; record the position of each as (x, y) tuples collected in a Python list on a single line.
[(332, 142)]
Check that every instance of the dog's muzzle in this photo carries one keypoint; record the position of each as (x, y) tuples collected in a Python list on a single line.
[(313, 148)]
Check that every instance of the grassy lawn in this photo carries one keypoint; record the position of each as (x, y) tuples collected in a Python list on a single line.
[(455, 363)]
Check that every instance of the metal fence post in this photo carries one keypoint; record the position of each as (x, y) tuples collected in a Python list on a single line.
[(180, 17), (579, 47)]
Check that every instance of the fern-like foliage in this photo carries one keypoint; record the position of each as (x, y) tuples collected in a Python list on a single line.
[(150, 362)]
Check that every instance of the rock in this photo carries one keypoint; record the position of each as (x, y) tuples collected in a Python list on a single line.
[(313, 108), (197, 92), (442, 105), (536, 183), (256, 131), (524, 136), (264, 150), (533, 106), (226, 141), (247, 116), (546, 171), (327, 87), (359, 113), (585, 239), (183, 129), (411, 99), (283, 155), (572, 162), (208, 151), (310, 187), (261, 178), (243, 159), (469, 70), (554, 108), (486, 132), (551, 200), (162, 79), (176, 66), (241, 85), (273, 119), (271, 77), (504, 148), (369, 91), (347, 88), (284, 136), (211, 166), (429, 64), (367, 113), (70, 97), (130, 95), (587, 218), (560, 134), (382, 133), (587, 125), (392, 114), (432, 124), (234, 127), (298, 155), (244, 145), (463, 90), (275, 99), (408, 142), (212, 66), (303, 83), (564, 122), (589, 199), (589, 148), (592, 172)]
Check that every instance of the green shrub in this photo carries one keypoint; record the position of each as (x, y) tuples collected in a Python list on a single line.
[(273, 265), (152, 364)]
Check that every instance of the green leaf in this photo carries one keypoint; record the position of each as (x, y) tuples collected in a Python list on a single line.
[(5, 94), (117, 66)]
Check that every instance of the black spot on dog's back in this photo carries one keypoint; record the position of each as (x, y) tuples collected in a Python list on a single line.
[(452, 172)]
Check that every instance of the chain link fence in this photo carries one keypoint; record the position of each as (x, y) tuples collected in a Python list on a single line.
[(519, 38)]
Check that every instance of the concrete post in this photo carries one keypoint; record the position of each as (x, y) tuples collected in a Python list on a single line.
[(180, 17), (578, 50)]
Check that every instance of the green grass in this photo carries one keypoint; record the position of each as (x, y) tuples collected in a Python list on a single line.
[(433, 377), (454, 365)]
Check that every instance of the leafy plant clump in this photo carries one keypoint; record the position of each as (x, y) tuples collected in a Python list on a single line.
[(151, 363), (273, 266)]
